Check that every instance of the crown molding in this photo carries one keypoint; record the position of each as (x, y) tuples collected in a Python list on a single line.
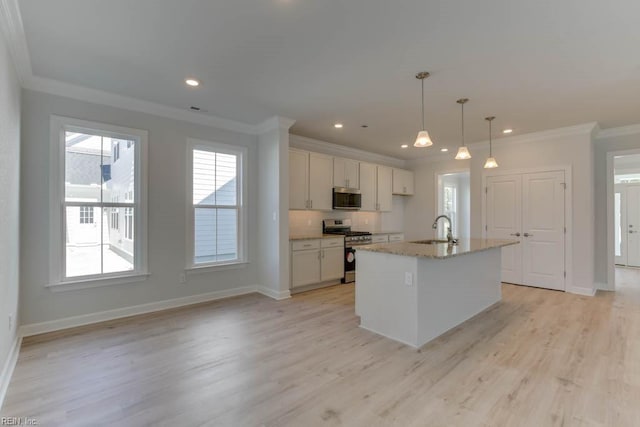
[(13, 31), (619, 131), (276, 122), (310, 144), (81, 93), (583, 129)]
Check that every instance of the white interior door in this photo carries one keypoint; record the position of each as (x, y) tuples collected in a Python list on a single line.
[(620, 224), (504, 216), (633, 226), (543, 230)]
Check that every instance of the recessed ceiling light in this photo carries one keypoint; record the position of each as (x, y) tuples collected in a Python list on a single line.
[(507, 131), (192, 82), (338, 126), (404, 146), (444, 150)]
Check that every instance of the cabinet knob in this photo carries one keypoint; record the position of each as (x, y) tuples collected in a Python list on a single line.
[(515, 234), (528, 235)]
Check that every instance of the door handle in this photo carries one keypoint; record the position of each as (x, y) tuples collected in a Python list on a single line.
[(631, 231), (528, 235), (515, 234)]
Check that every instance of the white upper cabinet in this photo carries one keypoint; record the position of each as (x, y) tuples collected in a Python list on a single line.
[(403, 182), (384, 187), (320, 182), (346, 173), (375, 187), (298, 179), (310, 180), (368, 192)]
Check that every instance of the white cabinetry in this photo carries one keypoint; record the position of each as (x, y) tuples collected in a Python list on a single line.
[(397, 237), (384, 186), (346, 173), (305, 262), (331, 259), (310, 180), (375, 187), (402, 182), (380, 238), (298, 179), (316, 261)]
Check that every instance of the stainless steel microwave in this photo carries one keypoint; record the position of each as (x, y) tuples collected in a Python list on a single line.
[(347, 198)]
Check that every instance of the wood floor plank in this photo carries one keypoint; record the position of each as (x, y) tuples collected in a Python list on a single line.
[(539, 358)]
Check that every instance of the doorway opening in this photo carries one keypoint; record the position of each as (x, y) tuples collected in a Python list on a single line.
[(626, 217), (453, 198)]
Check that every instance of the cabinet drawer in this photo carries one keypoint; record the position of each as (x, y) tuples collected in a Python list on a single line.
[(300, 245), (396, 237), (332, 243), (380, 238)]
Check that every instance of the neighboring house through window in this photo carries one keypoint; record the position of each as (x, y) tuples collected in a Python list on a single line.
[(89, 188), (217, 219)]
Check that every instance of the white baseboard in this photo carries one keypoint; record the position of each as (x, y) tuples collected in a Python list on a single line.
[(9, 366), (603, 286), (589, 292), (86, 319), (277, 295)]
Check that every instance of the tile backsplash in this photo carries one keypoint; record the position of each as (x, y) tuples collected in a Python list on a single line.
[(310, 222)]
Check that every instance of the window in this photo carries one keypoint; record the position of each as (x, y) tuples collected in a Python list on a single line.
[(116, 150), (90, 190), (86, 215), (217, 224)]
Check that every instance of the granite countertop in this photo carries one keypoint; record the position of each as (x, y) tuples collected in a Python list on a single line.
[(438, 250), (387, 232), (315, 236)]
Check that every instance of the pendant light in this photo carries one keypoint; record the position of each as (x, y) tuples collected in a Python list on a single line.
[(491, 161), (463, 151), (423, 139)]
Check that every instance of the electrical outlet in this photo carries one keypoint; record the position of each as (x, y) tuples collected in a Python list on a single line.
[(11, 321), (408, 278), (183, 278), (366, 221), (308, 222)]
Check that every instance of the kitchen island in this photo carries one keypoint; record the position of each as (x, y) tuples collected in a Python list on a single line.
[(413, 292)]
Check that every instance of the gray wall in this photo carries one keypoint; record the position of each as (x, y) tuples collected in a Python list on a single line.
[(9, 200), (601, 147), (166, 219)]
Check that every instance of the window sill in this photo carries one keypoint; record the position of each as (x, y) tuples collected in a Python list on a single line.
[(194, 269), (73, 285)]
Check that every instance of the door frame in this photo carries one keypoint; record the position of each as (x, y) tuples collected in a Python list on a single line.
[(568, 209), (611, 237)]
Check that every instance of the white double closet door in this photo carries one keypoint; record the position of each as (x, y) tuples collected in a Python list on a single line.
[(627, 222), (530, 208)]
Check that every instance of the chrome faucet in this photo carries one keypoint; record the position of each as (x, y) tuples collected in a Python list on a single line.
[(450, 238)]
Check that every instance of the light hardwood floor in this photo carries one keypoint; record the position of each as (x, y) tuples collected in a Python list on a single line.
[(538, 358)]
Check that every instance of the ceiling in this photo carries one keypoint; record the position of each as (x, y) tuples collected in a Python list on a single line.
[(535, 65)]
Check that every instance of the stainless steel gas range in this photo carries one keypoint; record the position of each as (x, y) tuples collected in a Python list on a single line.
[(352, 239)]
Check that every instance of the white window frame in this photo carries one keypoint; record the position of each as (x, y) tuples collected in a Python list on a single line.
[(241, 183), (57, 250)]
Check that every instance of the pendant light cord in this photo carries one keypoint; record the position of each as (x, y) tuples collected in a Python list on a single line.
[(422, 84), (490, 153), (462, 124)]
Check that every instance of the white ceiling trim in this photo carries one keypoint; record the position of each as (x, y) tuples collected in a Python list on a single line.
[(619, 131), (583, 129), (96, 96), (315, 145), (13, 31)]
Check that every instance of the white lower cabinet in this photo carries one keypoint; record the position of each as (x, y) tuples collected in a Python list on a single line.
[(305, 267), (398, 237), (331, 265), (380, 238), (316, 261)]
